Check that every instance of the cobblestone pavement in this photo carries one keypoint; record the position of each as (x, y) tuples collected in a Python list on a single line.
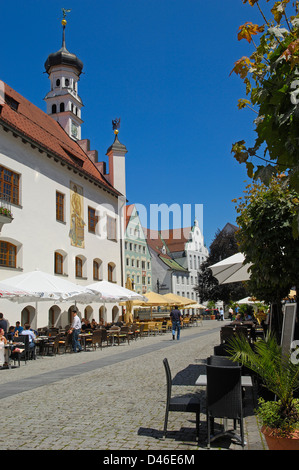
[(114, 398)]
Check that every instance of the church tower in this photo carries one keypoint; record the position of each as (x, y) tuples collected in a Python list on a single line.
[(63, 102)]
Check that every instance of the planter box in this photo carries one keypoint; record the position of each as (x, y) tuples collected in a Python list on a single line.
[(281, 443), (5, 219)]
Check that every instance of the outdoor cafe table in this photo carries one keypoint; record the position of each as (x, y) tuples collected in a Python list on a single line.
[(41, 340), (201, 380), (115, 334), (84, 337)]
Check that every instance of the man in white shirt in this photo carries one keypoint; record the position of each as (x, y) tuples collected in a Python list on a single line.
[(31, 335), (76, 329)]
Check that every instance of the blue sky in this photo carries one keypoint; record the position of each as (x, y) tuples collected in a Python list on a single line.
[(163, 66)]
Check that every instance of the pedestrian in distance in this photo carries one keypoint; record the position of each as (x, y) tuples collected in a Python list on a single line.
[(75, 329), (176, 319)]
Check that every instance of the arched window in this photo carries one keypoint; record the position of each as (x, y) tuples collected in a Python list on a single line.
[(97, 269), (61, 107), (27, 315), (54, 109), (67, 82), (111, 269), (58, 82), (54, 316), (58, 263), (8, 255), (79, 267)]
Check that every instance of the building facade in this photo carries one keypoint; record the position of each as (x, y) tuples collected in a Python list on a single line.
[(137, 256), (67, 212), (176, 258)]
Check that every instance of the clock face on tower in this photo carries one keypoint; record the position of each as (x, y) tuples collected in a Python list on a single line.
[(74, 129)]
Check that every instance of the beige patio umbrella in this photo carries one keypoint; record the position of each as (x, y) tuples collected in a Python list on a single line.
[(200, 306), (153, 300), (179, 300)]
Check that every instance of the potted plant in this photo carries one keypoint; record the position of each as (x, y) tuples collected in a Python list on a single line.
[(280, 375), (211, 306)]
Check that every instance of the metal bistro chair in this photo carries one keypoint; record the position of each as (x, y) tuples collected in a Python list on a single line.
[(126, 330), (190, 404), (66, 342), (96, 339), (53, 345), (224, 400), (104, 337)]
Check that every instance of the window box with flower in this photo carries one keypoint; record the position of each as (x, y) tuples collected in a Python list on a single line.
[(5, 216)]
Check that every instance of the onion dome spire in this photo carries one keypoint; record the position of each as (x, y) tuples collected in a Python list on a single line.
[(63, 56)]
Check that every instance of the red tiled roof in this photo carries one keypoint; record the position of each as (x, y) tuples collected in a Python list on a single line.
[(128, 212), (174, 239), (43, 130)]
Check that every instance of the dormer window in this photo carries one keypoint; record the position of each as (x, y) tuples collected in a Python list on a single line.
[(12, 103)]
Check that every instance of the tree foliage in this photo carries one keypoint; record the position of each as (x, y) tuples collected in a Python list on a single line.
[(265, 218), (271, 78)]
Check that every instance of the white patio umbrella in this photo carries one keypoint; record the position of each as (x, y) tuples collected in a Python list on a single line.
[(231, 269), (110, 292), (11, 293), (45, 286), (248, 300)]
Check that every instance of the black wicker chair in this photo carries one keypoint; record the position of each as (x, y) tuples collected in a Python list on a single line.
[(226, 333), (182, 404), (221, 361), (221, 350), (224, 399)]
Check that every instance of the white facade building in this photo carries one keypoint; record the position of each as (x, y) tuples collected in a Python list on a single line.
[(176, 258), (195, 252), (137, 256), (67, 213)]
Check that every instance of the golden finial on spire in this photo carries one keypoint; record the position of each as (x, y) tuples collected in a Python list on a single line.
[(64, 12), (116, 125)]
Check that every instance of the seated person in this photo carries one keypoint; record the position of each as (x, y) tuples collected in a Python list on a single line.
[(30, 333), (248, 317), (238, 319), (18, 328), (85, 324), (93, 324), (11, 333), (3, 351)]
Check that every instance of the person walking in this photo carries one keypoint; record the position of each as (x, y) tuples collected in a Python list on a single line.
[(221, 314), (76, 329), (176, 319)]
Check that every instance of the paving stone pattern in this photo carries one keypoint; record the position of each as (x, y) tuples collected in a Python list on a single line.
[(114, 398)]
